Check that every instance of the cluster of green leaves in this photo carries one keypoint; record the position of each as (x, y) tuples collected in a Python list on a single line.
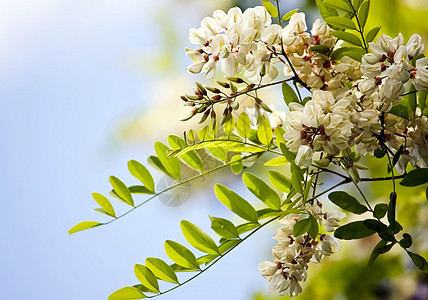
[(386, 231), (230, 236), (347, 17), (184, 151)]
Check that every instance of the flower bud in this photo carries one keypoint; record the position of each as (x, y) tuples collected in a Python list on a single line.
[(304, 156)]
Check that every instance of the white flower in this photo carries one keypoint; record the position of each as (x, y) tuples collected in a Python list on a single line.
[(297, 23), (304, 156), (332, 219), (415, 47), (367, 86), (421, 77), (276, 117), (268, 269), (398, 72)]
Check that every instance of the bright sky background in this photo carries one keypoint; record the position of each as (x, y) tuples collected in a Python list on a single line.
[(66, 86)]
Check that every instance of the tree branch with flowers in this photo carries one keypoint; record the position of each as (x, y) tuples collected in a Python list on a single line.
[(366, 99)]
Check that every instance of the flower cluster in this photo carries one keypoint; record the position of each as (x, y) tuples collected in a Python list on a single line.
[(387, 69), (292, 254), (238, 40), (314, 66)]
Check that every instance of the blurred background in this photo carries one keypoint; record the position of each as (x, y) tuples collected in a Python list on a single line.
[(86, 86)]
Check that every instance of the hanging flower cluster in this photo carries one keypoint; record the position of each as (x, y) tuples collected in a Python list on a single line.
[(292, 254)]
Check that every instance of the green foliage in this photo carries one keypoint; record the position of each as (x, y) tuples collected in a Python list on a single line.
[(416, 177), (347, 202), (353, 230), (198, 239), (105, 204), (340, 22), (146, 277), (273, 11), (181, 255), (289, 94), (121, 191), (262, 191), (161, 269), (236, 203), (224, 228), (127, 293), (141, 173), (83, 226)]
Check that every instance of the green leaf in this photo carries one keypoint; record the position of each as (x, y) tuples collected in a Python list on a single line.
[(227, 245), (372, 34), (127, 293), (156, 163), (375, 252), (161, 269), (289, 14), (313, 230), (104, 203), (289, 94), (268, 213), (302, 226), (198, 238), (243, 125), (363, 14), (406, 241), (171, 164), (280, 181), (296, 178), (261, 190), (83, 226), (142, 174), (384, 249), (228, 126), (146, 277), (422, 100), (411, 99), (190, 158), (191, 135), (181, 255), (348, 37), (236, 164), (379, 153), (357, 4), (378, 227), (290, 156), (224, 228), (121, 190), (352, 52), (218, 153), (347, 202), (204, 134), (245, 227), (341, 5), (380, 210), (139, 189), (419, 261), (264, 131), (401, 109), (340, 22), (272, 10), (277, 161), (279, 136), (320, 49), (325, 11), (415, 177), (236, 203), (352, 231)]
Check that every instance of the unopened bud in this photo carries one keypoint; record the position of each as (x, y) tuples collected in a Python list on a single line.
[(235, 79), (263, 71), (265, 107), (193, 97), (204, 116), (213, 90), (201, 88), (216, 97), (234, 105), (360, 166), (251, 86), (223, 84), (184, 98), (189, 116), (233, 88)]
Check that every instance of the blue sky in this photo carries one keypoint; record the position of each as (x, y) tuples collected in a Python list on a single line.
[(65, 89)]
